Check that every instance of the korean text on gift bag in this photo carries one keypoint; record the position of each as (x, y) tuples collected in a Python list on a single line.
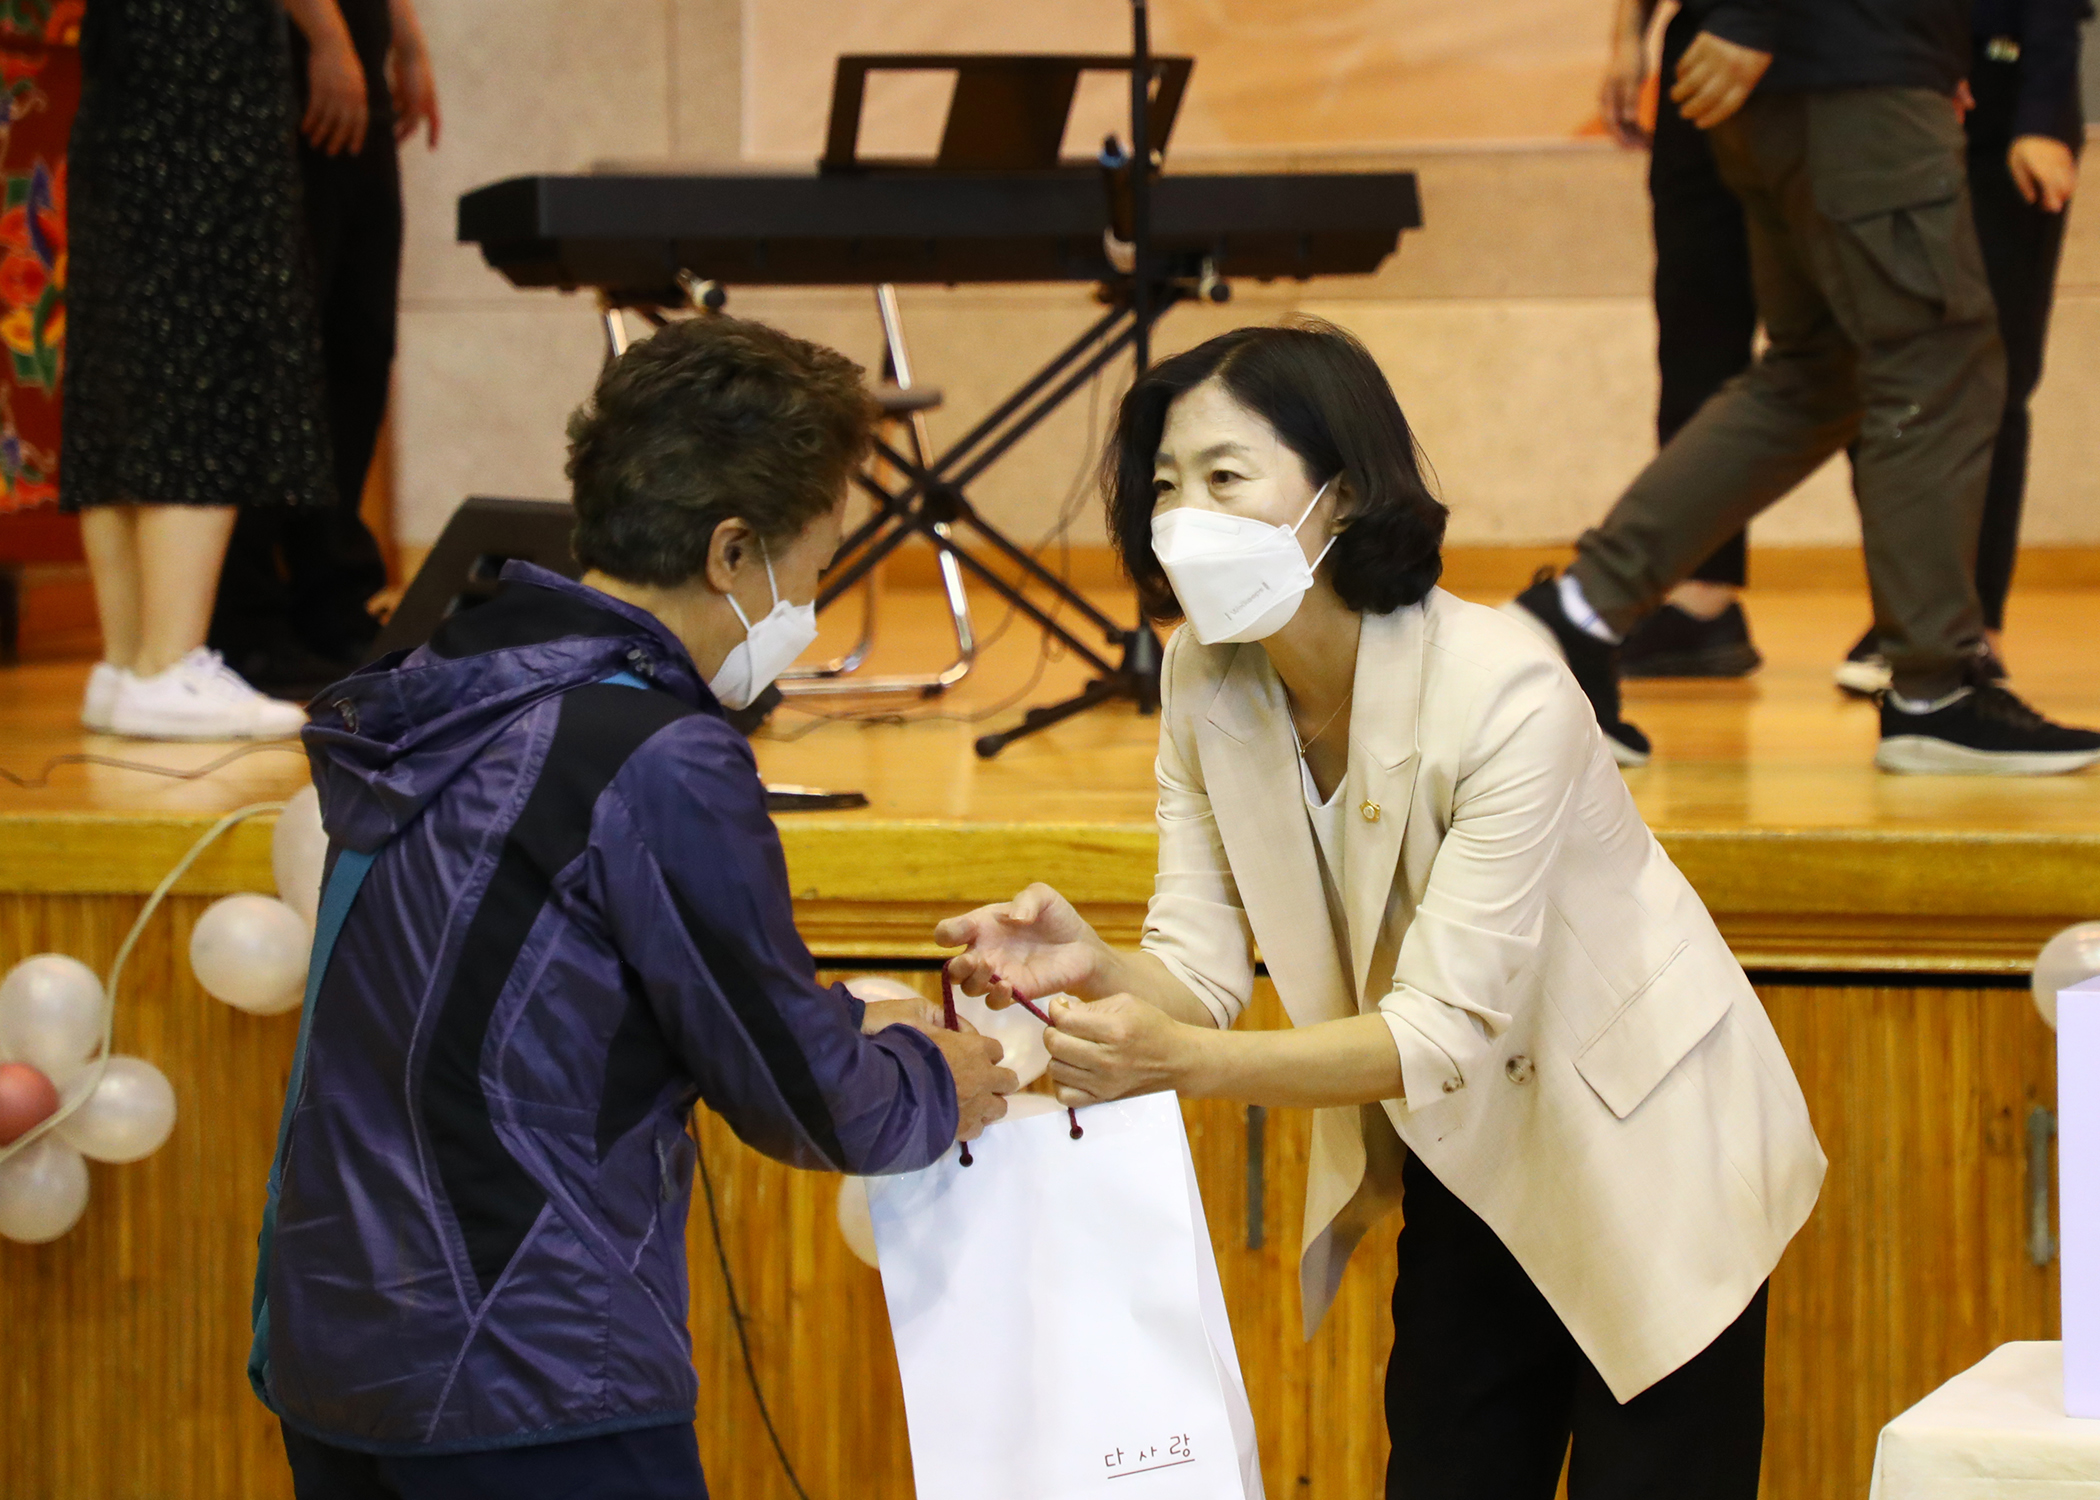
[(1059, 1323)]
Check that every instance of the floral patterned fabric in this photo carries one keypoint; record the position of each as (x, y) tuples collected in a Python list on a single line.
[(40, 78)]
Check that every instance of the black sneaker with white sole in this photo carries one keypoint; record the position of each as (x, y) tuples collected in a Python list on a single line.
[(1674, 642), (1595, 664), (1987, 731), (1864, 673)]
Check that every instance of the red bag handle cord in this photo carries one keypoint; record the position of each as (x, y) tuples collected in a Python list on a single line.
[(949, 1020)]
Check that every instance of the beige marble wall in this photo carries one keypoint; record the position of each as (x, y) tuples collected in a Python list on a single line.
[(487, 375), (1268, 72), (1515, 326)]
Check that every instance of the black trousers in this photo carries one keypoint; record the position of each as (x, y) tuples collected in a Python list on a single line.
[(304, 576), (1486, 1387), (649, 1463), (2022, 244), (1706, 314), (1705, 308)]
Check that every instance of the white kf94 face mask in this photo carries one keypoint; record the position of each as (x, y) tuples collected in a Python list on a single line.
[(1238, 579), (767, 648)]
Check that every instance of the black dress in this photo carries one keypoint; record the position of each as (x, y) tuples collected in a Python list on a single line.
[(193, 368)]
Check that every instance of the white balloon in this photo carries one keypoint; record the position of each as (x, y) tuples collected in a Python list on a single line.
[(52, 1012), (880, 987), (43, 1192), (298, 850), (127, 1117), (251, 952), (2071, 957), (856, 1224)]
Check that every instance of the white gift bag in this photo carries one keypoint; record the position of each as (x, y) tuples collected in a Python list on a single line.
[(1059, 1323)]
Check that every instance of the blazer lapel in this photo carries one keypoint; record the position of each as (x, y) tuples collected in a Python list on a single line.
[(1250, 765), (1383, 760)]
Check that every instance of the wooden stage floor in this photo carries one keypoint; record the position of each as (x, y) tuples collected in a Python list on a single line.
[(1763, 790)]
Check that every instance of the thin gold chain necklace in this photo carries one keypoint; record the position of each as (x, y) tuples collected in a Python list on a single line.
[(1307, 743)]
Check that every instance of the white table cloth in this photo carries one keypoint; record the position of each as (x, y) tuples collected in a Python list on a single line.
[(1994, 1432)]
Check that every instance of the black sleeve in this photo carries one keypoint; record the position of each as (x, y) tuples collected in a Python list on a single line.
[(2049, 102), (1747, 23)]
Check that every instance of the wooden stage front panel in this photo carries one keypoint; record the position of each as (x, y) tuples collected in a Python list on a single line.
[(128, 1336)]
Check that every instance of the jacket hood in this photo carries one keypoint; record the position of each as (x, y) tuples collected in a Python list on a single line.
[(387, 739)]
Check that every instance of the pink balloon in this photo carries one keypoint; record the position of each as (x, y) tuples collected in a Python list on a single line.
[(27, 1099)]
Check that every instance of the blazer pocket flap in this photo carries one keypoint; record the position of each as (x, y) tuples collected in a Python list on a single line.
[(1651, 1035), (1848, 197)]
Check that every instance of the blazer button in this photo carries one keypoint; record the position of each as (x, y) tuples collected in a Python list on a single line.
[(1518, 1069), (1370, 812)]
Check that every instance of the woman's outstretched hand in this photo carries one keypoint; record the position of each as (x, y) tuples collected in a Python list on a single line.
[(1116, 1047), (1035, 944)]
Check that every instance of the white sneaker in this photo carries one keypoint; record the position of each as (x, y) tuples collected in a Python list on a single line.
[(101, 702), (201, 698)]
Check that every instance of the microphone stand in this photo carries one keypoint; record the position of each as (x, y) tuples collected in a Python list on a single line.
[(1141, 184), (1136, 678)]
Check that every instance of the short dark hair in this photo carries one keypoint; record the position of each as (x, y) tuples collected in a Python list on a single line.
[(708, 419), (1332, 406)]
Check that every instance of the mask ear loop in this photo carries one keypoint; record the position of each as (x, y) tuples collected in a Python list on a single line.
[(1302, 519), (771, 588)]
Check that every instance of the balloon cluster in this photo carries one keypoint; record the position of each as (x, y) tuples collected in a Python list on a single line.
[(54, 1021), (65, 1098)]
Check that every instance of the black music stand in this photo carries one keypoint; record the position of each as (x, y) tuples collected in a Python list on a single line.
[(1010, 114)]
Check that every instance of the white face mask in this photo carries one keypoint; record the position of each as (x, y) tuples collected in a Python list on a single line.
[(766, 649), (1238, 579)]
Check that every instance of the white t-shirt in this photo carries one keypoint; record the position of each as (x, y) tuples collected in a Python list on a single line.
[(1326, 818)]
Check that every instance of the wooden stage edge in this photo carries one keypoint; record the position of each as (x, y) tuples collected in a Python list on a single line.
[(1862, 901)]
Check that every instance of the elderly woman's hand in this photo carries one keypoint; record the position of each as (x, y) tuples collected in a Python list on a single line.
[(1118, 1046)]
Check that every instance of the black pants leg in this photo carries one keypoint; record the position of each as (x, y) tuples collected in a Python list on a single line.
[(1705, 305), (305, 575), (2022, 244), (1486, 1386)]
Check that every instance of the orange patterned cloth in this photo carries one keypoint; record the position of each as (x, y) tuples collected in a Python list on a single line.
[(40, 75)]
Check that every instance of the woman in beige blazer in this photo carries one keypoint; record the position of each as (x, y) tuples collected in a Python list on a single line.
[(1508, 1006)]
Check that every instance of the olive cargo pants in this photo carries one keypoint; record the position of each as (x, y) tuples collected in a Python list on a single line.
[(1872, 290)]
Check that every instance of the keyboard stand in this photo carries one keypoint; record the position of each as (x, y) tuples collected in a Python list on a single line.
[(931, 501)]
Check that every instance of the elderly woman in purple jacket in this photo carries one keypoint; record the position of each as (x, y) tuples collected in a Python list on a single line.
[(574, 925)]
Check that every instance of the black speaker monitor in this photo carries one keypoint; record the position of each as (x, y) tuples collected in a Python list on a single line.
[(462, 569)]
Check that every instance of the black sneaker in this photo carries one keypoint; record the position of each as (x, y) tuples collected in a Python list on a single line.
[(1676, 643), (1987, 731), (1595, 663), (1864, 673)]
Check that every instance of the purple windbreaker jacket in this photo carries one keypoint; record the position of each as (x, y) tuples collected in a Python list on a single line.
[(578, 925)]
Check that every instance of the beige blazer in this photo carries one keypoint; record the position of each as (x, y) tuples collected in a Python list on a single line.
[(1584, 1063)]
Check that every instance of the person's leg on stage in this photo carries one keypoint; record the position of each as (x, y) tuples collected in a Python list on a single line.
[(291, 606), (1901, 255), (331, 557), (2022, 245), (1706, 323), (1481, 1385), (1764, 433), (1696, 1434)]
